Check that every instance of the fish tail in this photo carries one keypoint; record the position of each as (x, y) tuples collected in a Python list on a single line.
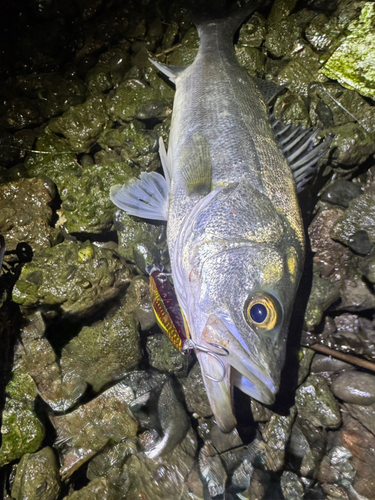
[(227, 18)]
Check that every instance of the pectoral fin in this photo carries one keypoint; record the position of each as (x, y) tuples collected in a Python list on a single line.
[(196, 166), (147, 197)]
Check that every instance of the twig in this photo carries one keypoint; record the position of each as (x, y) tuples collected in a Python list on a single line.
[(354, 360), (167, 51)]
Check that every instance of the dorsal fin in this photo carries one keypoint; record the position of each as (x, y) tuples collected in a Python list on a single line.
[(297, 145)]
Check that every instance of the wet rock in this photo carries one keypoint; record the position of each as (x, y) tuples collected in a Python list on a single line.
[(163, 478), (134, 143), (306, 447), (316, 403), (87, 430), (140, 242), (323, 294), (224, 441), (350, 63), (260, 412), (86, 206), (358, 219), (75, 276), (105, 351), (136, 99), (164, 356), (355, 387), (37, 477), (276, 433), (341, 192), (185, 54), (212, 470), (351, 144), (21, 430), (59, 390), (291, 108), (138, 302), (291, 486), (337, 472), (174, 422), (25, 214), (195, 393), (282, 29), (368, 268), (326, 364), (253, 32), (364, 414), (305, 358), (252, 59), (242, 476), (111, 457), (81, 125)]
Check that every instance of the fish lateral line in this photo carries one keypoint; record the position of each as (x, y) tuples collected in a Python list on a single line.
[(172, 322)]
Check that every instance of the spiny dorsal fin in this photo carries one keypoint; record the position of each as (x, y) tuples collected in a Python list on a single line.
[(297, 145), (196, 169)]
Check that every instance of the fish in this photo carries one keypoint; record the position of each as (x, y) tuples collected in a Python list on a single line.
[(234, 228)]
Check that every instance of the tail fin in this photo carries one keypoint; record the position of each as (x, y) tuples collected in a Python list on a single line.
[(230, 15)]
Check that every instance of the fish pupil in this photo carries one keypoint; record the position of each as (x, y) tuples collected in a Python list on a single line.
[(258, 313)]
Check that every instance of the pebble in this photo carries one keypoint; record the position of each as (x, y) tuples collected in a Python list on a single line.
[(355, 387)]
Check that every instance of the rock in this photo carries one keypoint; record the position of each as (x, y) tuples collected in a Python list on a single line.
[(185, 54), (111, 457), (305, 358), (323, 364), (136, 99), (138, 302), (76, 276), (365, 414), (276, 433), (306, 447), (87, 430), (350, 64), (195, 393), (341, 192), (26, 215), (212, 470), (260, 412), (174, 422), (355, 387), (291, 486), (37, 477), (81, 125), (316, 403), (21, 430), (105, 351), (164, 356)]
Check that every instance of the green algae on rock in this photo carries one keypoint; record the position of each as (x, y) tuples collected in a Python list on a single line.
[(37, 476), (25, 214), (352, 63), (87, 430), (75, 276), (316, 403), (105, 351), (21, 430)]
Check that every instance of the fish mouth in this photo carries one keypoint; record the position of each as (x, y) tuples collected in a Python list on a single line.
[(240, 370)]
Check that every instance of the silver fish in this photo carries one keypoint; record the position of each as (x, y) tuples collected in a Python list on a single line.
[(235, 233)]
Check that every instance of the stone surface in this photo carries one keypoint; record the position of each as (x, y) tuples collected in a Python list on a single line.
[(355, 387)]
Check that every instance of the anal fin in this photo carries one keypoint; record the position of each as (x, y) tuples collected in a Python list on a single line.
[(171, 72)]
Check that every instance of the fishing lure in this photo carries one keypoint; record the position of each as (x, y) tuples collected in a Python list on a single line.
[(170, 319)]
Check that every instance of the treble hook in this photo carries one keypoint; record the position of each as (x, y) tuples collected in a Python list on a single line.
[(191, 345)]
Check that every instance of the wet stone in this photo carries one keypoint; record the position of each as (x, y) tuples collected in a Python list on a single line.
[(291, 486), (25, 214), (364, 414), (306, 447), (37, 477), (195, 393), (355, 387), (87, 430), (138, 302), (164, 356), (305, 358), (341, 192), (260, 412), (316, 403), (105, 351), (368, 268), (111, 457), (185, 54), (75, 276), (212, 470), (21, 430), (328, 364)]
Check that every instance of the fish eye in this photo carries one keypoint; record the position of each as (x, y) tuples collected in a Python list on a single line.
[(261, 311)]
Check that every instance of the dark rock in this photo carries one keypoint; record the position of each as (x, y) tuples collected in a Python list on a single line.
[(355, 387)]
